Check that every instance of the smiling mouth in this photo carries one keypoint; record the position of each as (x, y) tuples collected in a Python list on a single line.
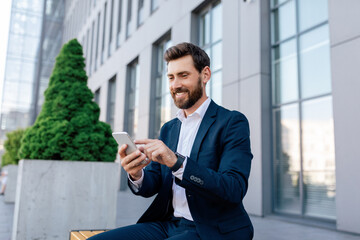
[(180, 94)]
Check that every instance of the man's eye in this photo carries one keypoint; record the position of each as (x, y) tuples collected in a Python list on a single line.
[(184, 75)]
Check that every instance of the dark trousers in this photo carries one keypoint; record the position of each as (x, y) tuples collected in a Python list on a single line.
[(175, 229)]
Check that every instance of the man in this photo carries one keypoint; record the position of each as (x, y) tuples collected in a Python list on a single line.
[(199, 167)]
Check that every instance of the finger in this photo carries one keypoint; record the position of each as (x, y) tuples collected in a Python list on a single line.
[(139, 161), (144, 141), (122, 151), (129, 158), (150, 151)]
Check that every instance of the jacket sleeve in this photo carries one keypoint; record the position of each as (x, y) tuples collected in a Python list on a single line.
[(229, 183)]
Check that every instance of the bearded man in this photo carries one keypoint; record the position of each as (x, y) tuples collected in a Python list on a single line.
[(199, 167)]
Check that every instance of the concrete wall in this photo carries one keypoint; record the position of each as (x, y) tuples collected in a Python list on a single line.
[(10, 190), (54, 197), (345, 60), (247, 78)]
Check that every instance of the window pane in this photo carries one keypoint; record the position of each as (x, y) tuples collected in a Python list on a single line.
[(315, 62), (276, 2), (284, 22), (154, 5), (25, 93), (318, 157), (287, 159), (216, 93), (285, 74), (205, 29), (217, 23), (216, 58), (312, 12), (162, 108)]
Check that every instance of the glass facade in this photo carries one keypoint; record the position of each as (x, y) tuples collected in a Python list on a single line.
[(154, 5), (104, 34), (140, 15), (210, 39), (111, 95), (97, 96), (118, 31), (110, 49), (304, 155), (129, 19), (34, 42), (132, 99), (161, 100)]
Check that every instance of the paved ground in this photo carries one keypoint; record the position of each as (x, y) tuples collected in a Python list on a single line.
[(130, 208), (6, 219)]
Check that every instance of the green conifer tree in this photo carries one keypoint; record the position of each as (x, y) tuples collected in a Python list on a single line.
[(68, 126), (12, 146)]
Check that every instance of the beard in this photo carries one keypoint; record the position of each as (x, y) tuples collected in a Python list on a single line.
[(193, 96)]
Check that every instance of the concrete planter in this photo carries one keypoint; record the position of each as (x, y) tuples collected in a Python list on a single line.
[(10, 190), (54, 197)]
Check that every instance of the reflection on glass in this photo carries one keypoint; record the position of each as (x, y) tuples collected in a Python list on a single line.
[(284, 22), (276, 2), (216, 33), (287, 159), (312, 12), (205, 28), (216, 58), (319, 157), (32, 5), (210, 41), (129, 21), (111, 102), (12, 72), (141, 12), (132, 99), (25, 93), (163, 100), (216, 86), (154, 5), (315, 62), (285, 75)]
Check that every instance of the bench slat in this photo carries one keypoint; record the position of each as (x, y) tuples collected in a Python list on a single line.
[(77, 236), (87, 234)]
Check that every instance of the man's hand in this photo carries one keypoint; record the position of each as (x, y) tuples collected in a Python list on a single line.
[(132, 162), (157, 151)]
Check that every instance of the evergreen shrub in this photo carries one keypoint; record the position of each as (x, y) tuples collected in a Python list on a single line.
[(12, 146), (68, 126)]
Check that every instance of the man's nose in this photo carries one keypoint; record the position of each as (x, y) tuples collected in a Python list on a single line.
[(176, 83)]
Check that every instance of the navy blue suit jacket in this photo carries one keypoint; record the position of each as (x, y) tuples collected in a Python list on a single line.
[(215, 177)]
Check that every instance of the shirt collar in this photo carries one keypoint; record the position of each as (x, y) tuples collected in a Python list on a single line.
[(200, 111)]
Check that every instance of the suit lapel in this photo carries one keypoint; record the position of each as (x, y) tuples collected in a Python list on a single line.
[(208, 120), (174, 135), (173, 142)]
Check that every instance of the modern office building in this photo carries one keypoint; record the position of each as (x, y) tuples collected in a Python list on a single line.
[(35, 38), (291, 66)]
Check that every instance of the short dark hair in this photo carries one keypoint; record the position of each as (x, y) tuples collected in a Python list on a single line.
[(199, 56)]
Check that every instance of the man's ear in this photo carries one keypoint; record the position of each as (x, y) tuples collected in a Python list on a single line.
[(206, 74)]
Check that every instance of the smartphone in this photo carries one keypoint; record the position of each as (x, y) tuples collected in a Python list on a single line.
[(124, 138)]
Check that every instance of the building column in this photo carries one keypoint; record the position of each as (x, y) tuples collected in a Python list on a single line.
[(345, 58)]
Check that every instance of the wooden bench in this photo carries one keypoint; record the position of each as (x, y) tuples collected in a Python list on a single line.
[(84, 234)]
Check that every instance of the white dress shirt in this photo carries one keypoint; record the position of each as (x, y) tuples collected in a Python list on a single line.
[(189, 128)]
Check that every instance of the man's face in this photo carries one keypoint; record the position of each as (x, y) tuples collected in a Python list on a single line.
[(186, 86)]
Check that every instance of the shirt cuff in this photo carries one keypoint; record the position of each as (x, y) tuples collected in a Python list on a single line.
[(179, 173), (136, 185)]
